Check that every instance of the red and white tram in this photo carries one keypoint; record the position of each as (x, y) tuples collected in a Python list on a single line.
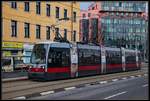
[(60, 60)]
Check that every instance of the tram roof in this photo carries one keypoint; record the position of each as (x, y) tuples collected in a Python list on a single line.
[(56, 44), (88, 46)]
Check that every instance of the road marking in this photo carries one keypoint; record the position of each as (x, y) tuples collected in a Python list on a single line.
[(145, 85), (87, 84), (69, 88), (132, 76), (114, 79), (115, 95), (124, 78), (21, 97), (139, 75), (102, 82), (48, 92)]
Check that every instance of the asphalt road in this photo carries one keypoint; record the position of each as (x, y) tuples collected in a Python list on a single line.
[(135, 88)]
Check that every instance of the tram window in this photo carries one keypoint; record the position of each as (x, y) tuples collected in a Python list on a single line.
[(88, 57), (113, 57), (130, 58), (118, 57), (97, 57), (139, 56), (58, 57)]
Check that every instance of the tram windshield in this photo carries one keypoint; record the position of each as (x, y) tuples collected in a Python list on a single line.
[(39, 54)]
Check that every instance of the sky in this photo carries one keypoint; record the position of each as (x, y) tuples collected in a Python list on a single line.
[(84, 5)]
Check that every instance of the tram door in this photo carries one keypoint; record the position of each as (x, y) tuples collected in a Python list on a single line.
[(123, 58), (74, 60), (103, 60)]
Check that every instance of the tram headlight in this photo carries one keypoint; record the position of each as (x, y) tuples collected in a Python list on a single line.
[(30, 66)]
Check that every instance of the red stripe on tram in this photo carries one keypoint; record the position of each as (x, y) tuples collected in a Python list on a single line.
[(131, 65), (114, 65), (95, 67), (58, 69)]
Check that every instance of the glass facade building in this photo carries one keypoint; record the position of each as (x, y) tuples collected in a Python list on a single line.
[(84, 28), (120, 24), (123, 24), (127, 32), (132, 6)]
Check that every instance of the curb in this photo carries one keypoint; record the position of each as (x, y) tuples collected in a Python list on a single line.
[(15, 79), (77, 86)]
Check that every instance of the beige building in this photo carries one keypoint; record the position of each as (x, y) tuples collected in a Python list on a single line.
[(31, 22)]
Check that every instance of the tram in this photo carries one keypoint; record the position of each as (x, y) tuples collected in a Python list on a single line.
[(62, 60)]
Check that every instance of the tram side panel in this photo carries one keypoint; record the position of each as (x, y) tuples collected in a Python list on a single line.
[(88, 61), (139, 60), (103, 60), (74, 60), (123, 59), (130, 60), (113, 61), (58, 63)]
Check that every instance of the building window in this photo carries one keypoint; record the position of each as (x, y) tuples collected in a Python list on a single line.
[(120, 4), (92, 8), (26, 6), (74, 36), (47, 32), (48, 8), (14, 4), (89, 14), (57, 12), (27, 30), (38, 31), (38, 7), (84, 15), (117, 13), (14, 28), (74, 16), (57, 32), (65, 13), (65, 33)]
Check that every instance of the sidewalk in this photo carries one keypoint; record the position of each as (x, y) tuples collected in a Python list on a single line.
[(14, 74)]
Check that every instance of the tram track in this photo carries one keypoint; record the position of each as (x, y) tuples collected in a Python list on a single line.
[(19, 88)]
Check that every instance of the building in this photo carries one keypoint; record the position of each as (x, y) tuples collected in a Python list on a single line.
[(120, 23), (89, 24), (26, 23)]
